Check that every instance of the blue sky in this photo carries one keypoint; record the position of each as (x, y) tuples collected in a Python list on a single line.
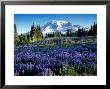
[(24, 21)]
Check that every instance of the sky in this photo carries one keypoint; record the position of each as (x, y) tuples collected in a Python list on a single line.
[(25, 21)]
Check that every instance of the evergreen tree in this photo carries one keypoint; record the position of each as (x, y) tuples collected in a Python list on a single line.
[(28, 37), (90, 31), (67, 33), (93, 30), (96, 29), (16, 36), (16, 39), (82, 32), (79, 34), (32, 32), (36, 33), (15, 29), (70, 34)]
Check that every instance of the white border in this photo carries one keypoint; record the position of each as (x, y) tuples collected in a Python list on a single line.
[(100, 79)]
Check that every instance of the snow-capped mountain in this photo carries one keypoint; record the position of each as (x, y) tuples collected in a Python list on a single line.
[(59, 26), (56, 26)]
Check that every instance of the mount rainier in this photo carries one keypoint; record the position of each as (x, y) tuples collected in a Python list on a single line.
[(60, 26)]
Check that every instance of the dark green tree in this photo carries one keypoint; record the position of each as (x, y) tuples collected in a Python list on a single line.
[(16, 36), (79, 34), (68, 33), (36, 33)]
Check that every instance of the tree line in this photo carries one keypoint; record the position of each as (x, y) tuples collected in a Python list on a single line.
[(36, 34), (92, 31)]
